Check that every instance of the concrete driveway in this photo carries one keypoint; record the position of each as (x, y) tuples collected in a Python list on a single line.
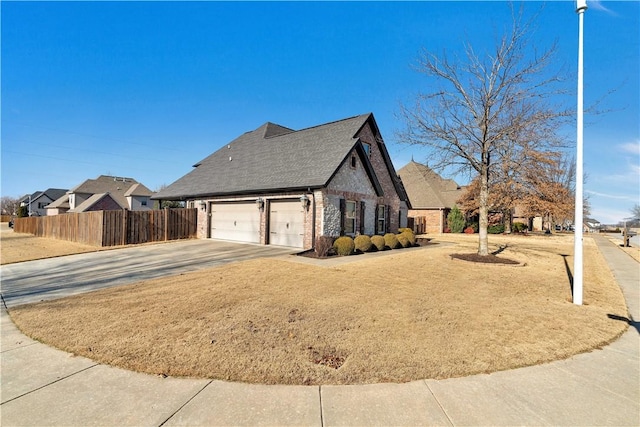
[(52, 278)]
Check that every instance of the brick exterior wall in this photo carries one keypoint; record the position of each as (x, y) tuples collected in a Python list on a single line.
[(436, 219), (204, 213)]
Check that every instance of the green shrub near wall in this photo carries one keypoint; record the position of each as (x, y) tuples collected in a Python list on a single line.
[(344, 245), (519, 227), (378, 242), (455, 220), (410, 236), (363, 243), (391, 240), (403, 240), (495, 229)]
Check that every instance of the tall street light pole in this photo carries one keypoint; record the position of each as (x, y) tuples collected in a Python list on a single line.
[(581, 6)]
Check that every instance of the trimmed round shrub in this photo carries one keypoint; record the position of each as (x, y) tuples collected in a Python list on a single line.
[(519, 227), (403, 240), (495, 229), (378, 242), (363, 243), (409, 234), (405, 230), (391, 240), (344, 245)]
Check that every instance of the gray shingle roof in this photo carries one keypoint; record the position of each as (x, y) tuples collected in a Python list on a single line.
[(271, 158), (115, 186), (427, 189), (138, 190)]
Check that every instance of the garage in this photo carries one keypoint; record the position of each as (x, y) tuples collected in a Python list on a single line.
[(239, 222), (286, 223)]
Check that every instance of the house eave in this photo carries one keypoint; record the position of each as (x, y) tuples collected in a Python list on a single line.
[(242, 193)]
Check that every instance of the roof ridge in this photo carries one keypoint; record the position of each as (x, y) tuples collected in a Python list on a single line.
[(334, 122)]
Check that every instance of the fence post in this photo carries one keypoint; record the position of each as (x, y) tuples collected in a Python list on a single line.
[(166, 224), (125, 227)]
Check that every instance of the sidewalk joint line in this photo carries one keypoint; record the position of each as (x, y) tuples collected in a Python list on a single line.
[(597, 385), (438, 402), (18, 348), (185, 404), (48, 384), (321, 409)]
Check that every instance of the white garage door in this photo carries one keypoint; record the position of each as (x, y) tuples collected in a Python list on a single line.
[(286, 223), (239, 222)]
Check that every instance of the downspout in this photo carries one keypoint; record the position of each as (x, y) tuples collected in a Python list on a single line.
[(313, 223)]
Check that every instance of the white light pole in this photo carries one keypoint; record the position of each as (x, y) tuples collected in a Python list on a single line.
[(581, 6)]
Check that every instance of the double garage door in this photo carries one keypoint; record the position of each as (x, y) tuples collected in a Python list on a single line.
[(240, 222)]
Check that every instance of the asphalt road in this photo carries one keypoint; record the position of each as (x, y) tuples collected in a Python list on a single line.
[(52, 278)]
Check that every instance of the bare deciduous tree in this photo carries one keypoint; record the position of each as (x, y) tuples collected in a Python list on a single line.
[(487, 109), (9, 205)]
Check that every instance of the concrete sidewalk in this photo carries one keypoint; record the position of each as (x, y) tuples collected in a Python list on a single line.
[(43, 386)]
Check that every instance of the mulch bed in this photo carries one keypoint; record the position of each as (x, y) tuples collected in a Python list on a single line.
[(310, 253), (484, 259)]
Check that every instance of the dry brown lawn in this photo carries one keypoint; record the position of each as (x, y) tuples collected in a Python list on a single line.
[(20, 247), (406, 316)]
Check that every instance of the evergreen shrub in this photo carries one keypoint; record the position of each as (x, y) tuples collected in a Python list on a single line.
[(344, 245), (378, 242), (391, 240), (363, 243)]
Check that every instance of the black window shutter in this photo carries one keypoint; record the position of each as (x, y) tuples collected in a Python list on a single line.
[(375, 227), (387, 215), (343, 212), (362, 217)]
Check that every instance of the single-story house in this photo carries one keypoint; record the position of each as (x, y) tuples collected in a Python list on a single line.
[(280, 186), (431, 197), (102, 194), (38, 201)]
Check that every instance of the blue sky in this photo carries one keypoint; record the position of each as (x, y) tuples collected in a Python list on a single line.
[(147, 89)]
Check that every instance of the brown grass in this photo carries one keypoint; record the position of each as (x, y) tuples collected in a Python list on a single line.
[(406, 316), (20, 247)]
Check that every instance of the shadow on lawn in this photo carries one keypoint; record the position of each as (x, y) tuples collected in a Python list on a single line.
[(634, 324), (569, 273)]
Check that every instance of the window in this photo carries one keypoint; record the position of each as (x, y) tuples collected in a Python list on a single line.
[(367, 148), (350, 217), (143, 202), (353, 161), (381, 220)]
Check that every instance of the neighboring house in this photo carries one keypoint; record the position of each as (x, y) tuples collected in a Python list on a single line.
[(101, 194), (278, 186), (38, 201), (430, 195), (591, 225)]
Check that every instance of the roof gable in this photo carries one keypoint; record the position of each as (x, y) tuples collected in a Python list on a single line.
[(115, 186), (426, 189), (138, 190), (87, 204)]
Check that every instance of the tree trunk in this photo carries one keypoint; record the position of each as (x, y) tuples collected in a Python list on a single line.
[(483, 244), (508, 219)]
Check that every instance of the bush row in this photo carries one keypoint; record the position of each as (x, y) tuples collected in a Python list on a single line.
[(346, 245)]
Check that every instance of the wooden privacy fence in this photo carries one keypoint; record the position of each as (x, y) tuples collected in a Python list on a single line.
[(113, 228), (418, 224)]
